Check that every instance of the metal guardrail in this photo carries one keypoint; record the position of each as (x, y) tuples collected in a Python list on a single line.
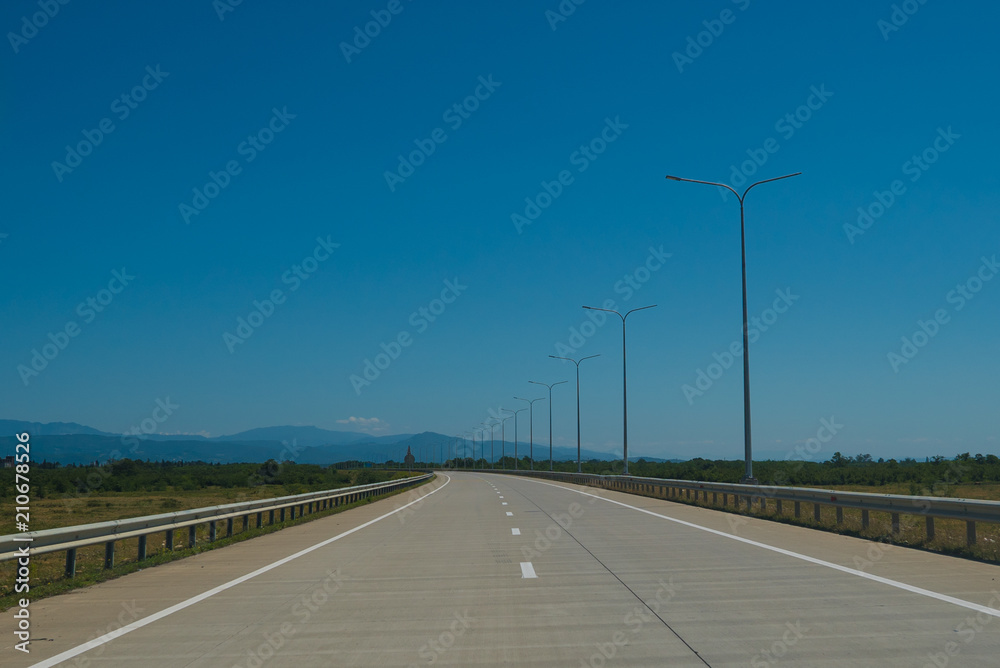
[(69, 539), (929, 507)]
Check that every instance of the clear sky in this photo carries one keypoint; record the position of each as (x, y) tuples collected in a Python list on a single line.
[(500, 165)]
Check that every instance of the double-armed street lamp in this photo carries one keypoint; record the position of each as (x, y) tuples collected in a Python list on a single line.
[(503, 435), (492, 425), (550, 412), (624, 377), (748, 450), (579, 466), (519, 410), (531, 428)]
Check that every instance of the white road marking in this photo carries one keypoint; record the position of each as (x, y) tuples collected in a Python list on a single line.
[(813, 560), (501, 497), (515, 532), (138, 624), (527, 570), (504, 503), (510, 514)]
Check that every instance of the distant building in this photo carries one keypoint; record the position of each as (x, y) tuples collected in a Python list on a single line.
[(409, 458), (8, 462)]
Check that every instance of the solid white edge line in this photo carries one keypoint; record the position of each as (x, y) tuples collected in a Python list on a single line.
[(819, 562), (156, 616), (515, 532), (527, 570)]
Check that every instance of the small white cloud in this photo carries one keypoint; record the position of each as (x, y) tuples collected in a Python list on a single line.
[(367, 424)]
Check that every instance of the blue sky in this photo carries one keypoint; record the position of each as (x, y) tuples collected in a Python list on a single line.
[(292, 134)]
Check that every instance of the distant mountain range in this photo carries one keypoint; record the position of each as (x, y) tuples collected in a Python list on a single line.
[(72, 443)]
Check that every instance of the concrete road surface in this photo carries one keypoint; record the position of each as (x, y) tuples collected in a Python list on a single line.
[(486, 570)]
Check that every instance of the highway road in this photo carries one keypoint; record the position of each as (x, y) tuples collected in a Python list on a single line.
[(480, 569)]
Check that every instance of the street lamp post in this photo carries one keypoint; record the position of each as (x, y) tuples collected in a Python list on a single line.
[(747, 447), (519, 410), (531, 427), (492, 458), (550, 413), (503, 435), (624, 378), (579, 466)]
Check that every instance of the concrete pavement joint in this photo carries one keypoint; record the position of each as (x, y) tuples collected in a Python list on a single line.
[(819, 562)]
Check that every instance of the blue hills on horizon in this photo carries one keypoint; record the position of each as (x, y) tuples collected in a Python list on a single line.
[(74, 443)]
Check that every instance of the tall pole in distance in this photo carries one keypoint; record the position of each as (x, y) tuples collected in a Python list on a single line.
[(748, 478), (519, 410), (579, 466), (503, 435), (531, 427), (492, 458), (550, 413), (624, 378)]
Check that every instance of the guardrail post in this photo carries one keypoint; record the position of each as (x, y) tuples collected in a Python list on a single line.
[(229, 526), (211, 531), (715, 498), (109, 554), (816, 515), (192, 535), (798, 509), (777, 505), (260, 519), (763, 503), (71, 562), (895, 522), (970, 532), (142, 547), (840, 515), (281, 515), (930, 528), (725, 499), (864, 518), (246, 522), (169, 538)]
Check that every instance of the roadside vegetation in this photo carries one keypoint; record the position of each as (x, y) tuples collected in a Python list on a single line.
[(74, 495)]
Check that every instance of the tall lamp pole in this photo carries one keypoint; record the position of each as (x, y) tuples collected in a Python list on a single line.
[(579, 466), (503, 435), (531, 428), (747, 446), (492, 426), (519, 410), (624, 378), (550, 413)]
